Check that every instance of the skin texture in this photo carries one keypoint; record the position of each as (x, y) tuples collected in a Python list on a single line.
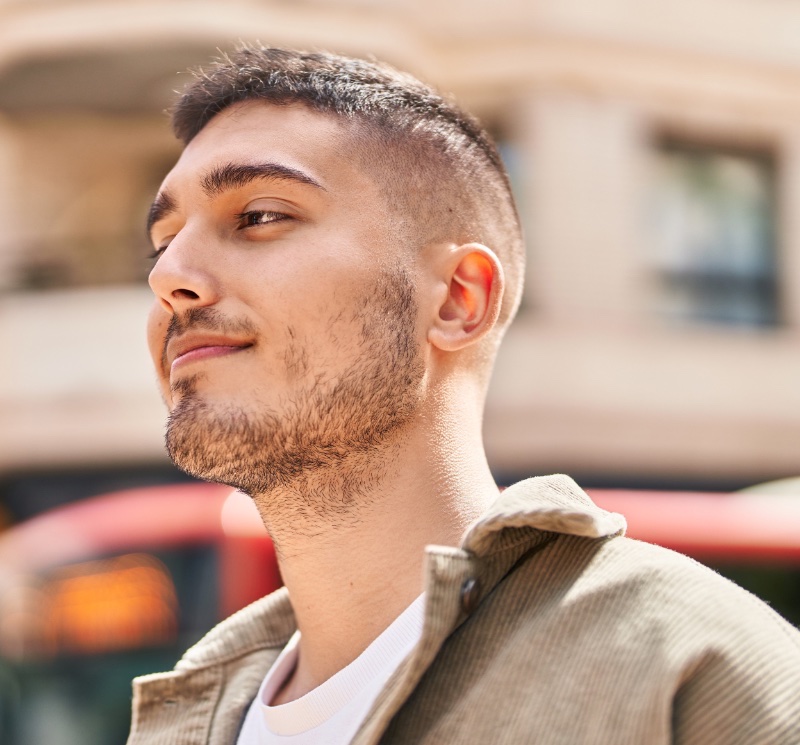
[(312, 357)]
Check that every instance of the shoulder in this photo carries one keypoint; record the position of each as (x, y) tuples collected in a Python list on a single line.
[(677, 583), (662, 587), (646, 624)]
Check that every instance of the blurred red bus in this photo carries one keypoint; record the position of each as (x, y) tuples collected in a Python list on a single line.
[(95, 592), (98, 591)]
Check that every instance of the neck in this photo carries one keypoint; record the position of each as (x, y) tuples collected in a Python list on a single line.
[(351, 544)]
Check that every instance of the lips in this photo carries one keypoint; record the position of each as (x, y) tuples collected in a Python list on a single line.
[(195, 347)]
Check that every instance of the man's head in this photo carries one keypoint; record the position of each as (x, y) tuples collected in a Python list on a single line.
[(327, 246)]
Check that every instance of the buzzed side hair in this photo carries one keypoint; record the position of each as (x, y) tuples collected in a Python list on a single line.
[(441, 171)]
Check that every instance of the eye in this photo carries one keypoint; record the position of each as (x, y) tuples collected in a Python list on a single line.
[(254, 218), (156, 253)]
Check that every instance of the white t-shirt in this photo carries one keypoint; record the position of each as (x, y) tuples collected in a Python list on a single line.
[(331, 713)]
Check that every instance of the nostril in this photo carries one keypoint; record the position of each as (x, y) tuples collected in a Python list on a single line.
[(185, 294)]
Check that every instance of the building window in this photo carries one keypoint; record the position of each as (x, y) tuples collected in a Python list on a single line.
[(712, 235)]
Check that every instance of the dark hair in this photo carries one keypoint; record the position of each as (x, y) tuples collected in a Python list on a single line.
[(434, 159)]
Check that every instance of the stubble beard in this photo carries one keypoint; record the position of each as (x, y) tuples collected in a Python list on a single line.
[(330, 442)]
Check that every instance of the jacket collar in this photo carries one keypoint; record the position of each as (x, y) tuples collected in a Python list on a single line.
[(265, 624), (553, 504)]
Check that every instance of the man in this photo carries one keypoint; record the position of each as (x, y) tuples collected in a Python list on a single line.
[(337, 258)]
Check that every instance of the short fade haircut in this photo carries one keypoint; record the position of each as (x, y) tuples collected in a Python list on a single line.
[(441, 172)]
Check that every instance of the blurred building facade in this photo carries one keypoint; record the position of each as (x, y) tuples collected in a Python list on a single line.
[(655, 151)]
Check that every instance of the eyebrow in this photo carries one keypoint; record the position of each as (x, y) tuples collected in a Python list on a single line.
[(162, 206), (228, 177), (236, 175)]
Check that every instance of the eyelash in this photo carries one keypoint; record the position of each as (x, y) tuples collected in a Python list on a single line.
[(274, 217), (242, 216)]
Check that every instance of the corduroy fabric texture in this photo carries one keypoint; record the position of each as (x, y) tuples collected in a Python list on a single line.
[(545, 626)]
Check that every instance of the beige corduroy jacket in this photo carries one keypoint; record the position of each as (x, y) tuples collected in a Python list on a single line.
[(545, 626)]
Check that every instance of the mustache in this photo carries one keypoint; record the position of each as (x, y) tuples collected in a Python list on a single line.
[(205, 319)]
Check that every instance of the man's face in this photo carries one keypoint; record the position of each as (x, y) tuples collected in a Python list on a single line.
[(284, 328)]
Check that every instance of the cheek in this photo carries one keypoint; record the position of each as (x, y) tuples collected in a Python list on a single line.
[(157, 323)]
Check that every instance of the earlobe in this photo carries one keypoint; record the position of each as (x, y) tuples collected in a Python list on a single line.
[(471, 307)]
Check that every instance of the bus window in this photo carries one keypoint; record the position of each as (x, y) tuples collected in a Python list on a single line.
[(75, 637)]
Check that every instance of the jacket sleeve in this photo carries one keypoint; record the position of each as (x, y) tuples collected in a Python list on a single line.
[(744, 689)]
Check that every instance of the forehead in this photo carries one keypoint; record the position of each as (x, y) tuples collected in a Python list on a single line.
[(255, 132)]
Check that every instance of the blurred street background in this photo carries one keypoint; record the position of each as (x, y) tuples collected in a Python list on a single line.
[(654, 149)]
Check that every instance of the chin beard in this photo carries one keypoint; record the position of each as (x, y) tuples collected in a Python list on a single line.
[(328, 429)]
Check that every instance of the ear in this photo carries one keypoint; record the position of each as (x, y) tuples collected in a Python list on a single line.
[(471, 304)]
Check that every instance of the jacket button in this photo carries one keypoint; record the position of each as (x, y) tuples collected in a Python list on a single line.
[(470, 594)]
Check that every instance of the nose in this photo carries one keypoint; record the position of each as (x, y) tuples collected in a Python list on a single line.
[(181, 278)]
